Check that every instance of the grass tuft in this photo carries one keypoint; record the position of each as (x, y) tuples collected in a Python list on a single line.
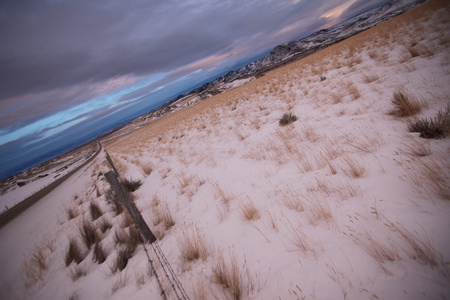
[(403, 105), (88, 234), (249, 212), (131, 185), (99, 253), (192, 245), (95, 210), (114, 201), (287, 119), (228, 276), (73, 253)]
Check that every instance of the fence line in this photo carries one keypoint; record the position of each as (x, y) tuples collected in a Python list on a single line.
[(148, 236)]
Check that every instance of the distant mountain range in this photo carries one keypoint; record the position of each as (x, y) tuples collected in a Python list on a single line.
[(288, 52)]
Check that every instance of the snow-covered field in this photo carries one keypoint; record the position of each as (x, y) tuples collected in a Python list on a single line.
[(17, 188), (344, 203)]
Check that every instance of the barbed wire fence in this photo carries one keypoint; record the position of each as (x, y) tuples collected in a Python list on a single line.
[(147, 237)]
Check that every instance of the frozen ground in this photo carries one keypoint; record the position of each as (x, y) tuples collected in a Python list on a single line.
[(344, 203)]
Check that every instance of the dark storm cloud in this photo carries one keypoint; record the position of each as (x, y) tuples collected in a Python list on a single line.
[(361, 6), (54, 44)]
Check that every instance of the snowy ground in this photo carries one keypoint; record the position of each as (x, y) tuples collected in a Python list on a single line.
[(344, 203), (38, 177)]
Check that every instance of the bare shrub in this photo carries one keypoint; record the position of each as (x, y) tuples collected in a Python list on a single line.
[(88, 234), (73, 253), (403, 105), (99, 253), (95, 210), (192, 245), (248, 210), (287, 119), (433, 128)]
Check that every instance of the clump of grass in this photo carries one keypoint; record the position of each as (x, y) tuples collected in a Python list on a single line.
[(287, 119), (249, 212), (353, 167), (403, 105), (114, 201), (104, 225), (77, 272), (72, 213), (433, 128), (34, 266), (73, 253), (88, 234), (127, 244), (163, 215), (229, 276), (131, 185), (95, 210), (99, 253), (192, 245)]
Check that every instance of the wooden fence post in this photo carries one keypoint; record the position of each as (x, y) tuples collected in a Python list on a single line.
[(131, 208)]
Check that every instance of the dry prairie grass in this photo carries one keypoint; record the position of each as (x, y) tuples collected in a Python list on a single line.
[(192, 245), (95, 210), (89, 235), (73, 253), (248, 211), (162, 215), (318, 210), (369, 78), (404, 105), (235, 282), (428, 175), (78, 271), (120, 282), (298, 237), (34, 266), (381, 251), (353, 167)]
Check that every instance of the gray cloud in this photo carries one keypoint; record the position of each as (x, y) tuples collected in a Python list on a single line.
[(54, 52), (361, 6)]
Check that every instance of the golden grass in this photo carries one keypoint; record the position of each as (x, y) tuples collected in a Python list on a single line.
[(192, 245), (236, 283), (248, 211), (34, 266)]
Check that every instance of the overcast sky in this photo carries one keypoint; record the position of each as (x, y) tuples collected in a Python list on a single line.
[(63, 63)]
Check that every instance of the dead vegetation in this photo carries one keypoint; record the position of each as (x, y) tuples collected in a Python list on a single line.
[(404, 105)]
